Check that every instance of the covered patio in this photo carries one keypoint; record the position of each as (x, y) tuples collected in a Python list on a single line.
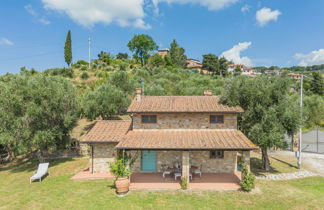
[(209, 181)]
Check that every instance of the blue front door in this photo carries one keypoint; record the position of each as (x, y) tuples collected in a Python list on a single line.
[(148, 160)]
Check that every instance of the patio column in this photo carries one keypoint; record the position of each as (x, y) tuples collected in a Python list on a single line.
[(185, 165)]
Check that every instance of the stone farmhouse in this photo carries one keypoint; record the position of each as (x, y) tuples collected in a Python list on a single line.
[(166, 131)]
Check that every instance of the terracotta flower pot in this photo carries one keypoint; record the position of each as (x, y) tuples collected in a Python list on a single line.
[(122, 185)]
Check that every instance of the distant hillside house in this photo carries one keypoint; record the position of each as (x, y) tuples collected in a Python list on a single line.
[(249, 71), (231, 67), (163, 52), (295, 76), (194, 64), (274, 72)]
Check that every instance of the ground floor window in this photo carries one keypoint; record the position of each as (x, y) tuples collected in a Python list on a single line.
[(216, 154)]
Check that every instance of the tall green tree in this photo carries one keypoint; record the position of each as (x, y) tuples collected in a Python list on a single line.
[(68, 49), (270, 111), (36, 112), (105, 101), (223, 64), (177, 54), (317, 83), (142, 45), (210, 63)]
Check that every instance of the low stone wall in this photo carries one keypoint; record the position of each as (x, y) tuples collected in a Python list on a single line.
[(103, 153)]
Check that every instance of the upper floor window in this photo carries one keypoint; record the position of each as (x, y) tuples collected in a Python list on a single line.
[(216, 118), (149, 119)]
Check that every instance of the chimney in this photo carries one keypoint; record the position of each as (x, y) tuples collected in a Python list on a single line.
[(138, 94), (208, 93)]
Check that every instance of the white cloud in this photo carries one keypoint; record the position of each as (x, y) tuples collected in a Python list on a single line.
[(265, 15), (88, 13), (234, 54), (245, 8), (29, 8), (5, 41), (210, 4), (313, 58), (42, 19)]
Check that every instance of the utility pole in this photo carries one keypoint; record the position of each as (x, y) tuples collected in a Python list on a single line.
[(300, 129), (89, 43)]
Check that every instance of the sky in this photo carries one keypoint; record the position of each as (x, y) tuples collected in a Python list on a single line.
[(252, 32)]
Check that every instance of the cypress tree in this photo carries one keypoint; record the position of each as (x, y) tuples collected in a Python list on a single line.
[(68, 49)]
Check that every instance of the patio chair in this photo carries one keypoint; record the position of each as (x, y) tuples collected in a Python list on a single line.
[(41, 171), (165, 170), (198, 171), (176, 175)]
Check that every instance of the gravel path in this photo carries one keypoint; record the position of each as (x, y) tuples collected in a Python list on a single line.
[(313, 162), (287, 176)]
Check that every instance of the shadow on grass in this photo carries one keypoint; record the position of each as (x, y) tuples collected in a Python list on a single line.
[(256, 167), (30, 164), (289, 164)]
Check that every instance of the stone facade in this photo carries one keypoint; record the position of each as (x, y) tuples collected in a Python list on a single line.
[(186, 121), (103, 153), (196, 158)]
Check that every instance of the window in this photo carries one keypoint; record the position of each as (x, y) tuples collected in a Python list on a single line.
[(216, 154), (148, 118), (216, 118)]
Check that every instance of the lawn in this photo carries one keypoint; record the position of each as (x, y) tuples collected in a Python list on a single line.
[(57, 191), (279, 164)]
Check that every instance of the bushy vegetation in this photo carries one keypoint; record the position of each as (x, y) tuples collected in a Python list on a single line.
[(36, 112), (248, 179)]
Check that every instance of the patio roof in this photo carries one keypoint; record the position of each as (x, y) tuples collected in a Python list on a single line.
[(107, 131), (192, 139)]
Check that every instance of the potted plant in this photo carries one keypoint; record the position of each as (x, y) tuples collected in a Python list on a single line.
[(121, 168)]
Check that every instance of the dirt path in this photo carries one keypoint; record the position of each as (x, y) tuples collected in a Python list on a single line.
[(310, 161)]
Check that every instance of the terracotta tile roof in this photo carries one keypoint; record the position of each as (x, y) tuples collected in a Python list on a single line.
[(180, 104), (107, 131), (186, 139)]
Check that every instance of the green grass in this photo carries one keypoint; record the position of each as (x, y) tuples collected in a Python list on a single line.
[(278, 164), (57, 191)]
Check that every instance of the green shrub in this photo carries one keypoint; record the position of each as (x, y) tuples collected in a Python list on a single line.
[(84, 75), (65, 72), (184, 183), (248, 180), (122, 165), (84, 68)]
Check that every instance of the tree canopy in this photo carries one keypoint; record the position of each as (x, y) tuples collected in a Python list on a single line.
[(36, 112), (105, 101), (270, 111), (142, 45), (177, 54)]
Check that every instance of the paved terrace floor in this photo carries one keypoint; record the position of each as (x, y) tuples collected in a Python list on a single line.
[(86, 174), (208, 181)]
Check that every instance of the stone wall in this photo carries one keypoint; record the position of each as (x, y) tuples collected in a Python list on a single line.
[(102, 154), (185, 121), (105, 152), (197, 158)]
